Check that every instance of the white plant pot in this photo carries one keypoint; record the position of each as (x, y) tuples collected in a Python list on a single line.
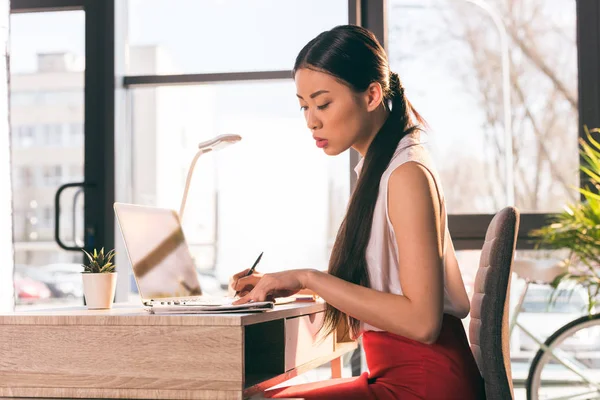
[(99, 289)]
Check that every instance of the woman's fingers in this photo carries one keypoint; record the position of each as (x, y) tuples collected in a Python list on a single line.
[(243, 300), (241, 274), (247, 282), (235, 283), (254, 295), (260, 292), (233, 279)]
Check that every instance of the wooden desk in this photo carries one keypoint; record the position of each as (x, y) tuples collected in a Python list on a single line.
[(125, 352)]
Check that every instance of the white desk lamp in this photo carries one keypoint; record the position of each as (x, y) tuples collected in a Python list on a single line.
[(215, 143)]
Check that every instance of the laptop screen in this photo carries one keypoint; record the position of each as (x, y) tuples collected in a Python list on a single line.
[(161, 260)]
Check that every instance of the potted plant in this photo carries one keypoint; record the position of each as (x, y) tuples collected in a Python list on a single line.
[(577, 229), (99, 279)]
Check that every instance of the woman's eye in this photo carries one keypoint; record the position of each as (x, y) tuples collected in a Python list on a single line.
[(324, 106)]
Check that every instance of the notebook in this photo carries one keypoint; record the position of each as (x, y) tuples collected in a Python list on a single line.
[(163, 267)]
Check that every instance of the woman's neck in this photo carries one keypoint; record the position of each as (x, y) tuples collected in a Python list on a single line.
[(379, 118)]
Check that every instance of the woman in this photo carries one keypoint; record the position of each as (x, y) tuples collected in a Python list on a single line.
[(393, 274)]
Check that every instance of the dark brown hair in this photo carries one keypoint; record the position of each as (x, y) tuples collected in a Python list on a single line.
[(353, 56)]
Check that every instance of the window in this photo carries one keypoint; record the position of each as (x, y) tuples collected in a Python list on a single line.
[(239, 203), (75, 134), (224, 36), (256, 195), (49, 98), (46, 217), (19, 224), (23, 176), (23, 136), (52, 175), (75, 173), (451, 65), (237, 197), (47, 95), (51, 135)]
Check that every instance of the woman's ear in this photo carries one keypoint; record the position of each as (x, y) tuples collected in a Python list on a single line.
[(373, 96)]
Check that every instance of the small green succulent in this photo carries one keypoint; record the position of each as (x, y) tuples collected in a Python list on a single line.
[(99, 262)]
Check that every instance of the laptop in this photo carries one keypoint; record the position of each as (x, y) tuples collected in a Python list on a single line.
[(162, 264)]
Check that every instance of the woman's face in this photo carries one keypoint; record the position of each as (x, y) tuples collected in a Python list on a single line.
[(335, 114)]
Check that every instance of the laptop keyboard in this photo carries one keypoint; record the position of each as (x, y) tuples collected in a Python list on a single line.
[(209, 302), (225, 301)]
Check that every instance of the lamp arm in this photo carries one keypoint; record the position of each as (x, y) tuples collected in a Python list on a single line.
[(187, 182)]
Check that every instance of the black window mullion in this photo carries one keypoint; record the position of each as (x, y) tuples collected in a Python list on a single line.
[(468, 231), (193, 79), (588, 62), (20, 6), (99, 149)]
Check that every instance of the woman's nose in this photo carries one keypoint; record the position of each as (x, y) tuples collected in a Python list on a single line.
[(312, 122)]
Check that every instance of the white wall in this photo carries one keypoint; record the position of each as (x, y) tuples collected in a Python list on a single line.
[(7, 300)]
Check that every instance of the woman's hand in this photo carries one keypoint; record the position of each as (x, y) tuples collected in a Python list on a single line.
[(269, 286), (242, 283)]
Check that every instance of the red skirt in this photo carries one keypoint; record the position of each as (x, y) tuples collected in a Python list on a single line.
[(401, 368)]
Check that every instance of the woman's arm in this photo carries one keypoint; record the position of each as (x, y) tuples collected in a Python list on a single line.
[(454, 282), (414, 211), (308, 291)]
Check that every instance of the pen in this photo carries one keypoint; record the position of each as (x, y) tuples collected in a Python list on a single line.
[(250, 271)]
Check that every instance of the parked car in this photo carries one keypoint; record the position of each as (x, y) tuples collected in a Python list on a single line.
[(63, 279), (29, 290)]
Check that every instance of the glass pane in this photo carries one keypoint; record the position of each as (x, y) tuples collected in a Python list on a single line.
[(448, 54), (46, 101), (274, 191), (192, 36)]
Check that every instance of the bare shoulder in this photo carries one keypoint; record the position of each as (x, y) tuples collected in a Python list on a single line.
[(411, 179), (414, 212)]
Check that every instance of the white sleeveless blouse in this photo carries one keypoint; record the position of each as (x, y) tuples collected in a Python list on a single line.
[(382, 250)]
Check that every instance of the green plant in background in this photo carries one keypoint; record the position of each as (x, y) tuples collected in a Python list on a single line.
[(99, 263), (578, 229)]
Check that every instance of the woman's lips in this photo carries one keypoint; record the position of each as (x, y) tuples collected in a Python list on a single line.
[(321, 142)]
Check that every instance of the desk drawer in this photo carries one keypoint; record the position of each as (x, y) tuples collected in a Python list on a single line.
[(303, 342)]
